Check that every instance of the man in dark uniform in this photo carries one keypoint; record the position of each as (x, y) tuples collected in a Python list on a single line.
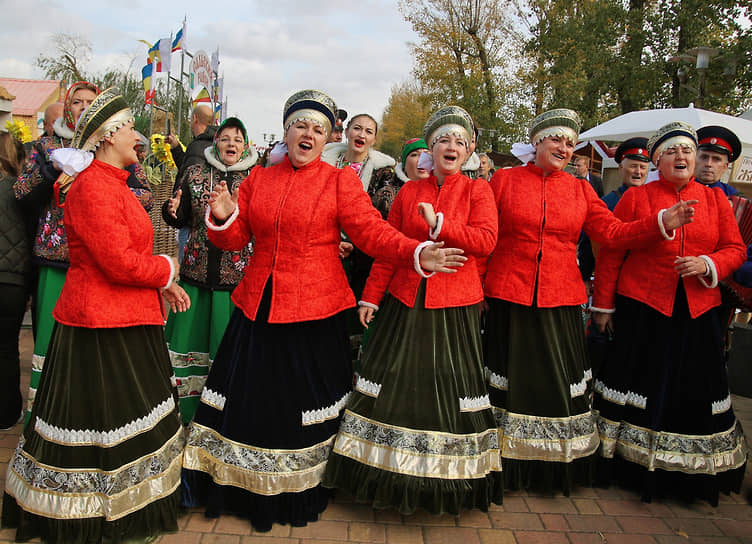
[(632, 157), (717, 148)]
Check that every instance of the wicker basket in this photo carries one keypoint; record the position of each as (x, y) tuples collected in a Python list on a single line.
[(165, 236)]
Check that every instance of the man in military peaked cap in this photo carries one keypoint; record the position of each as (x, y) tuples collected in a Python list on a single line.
[(717, 148)]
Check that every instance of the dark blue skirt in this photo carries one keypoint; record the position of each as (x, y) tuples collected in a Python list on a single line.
[(267, 419), (665, 418)]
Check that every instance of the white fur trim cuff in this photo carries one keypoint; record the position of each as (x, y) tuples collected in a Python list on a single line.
[(172, 270), (226, 225), (713, 273), (663, 229), (368, 305), (416, 259), (434, 232), (602, 310)]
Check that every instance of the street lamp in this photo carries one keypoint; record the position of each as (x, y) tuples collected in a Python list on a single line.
[(701, 57)]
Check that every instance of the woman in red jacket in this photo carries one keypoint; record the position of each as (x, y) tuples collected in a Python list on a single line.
[(100, 459), (537, 362), (665, 417), (419, 430), (271, 405)]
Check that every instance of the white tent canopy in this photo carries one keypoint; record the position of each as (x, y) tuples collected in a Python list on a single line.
[(646, 122)]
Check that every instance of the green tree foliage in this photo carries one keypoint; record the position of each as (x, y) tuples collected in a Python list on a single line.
[(463, 55), (609, 57), (404, 116), (509, 60)]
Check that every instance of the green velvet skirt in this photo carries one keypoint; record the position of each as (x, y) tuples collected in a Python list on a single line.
[(419, 431), (193, 337), (51, 281), (539, 382), (100, 459)]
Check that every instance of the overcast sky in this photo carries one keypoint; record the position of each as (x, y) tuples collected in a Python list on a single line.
[(354, 51)]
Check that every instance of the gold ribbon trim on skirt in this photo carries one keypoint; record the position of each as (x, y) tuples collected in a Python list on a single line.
[(60, 493), (258, 470), (692, 454), (427, 454), (558, 439)]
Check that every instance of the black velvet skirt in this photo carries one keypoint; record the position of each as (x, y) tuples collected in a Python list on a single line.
[(100, 459), (419, 431), (666, 422), (267, 419), (538, 375)]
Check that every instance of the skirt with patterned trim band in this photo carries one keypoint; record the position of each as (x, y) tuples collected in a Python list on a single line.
[(539, 381), (666, 422), (267, 418), (100, 459), (193, 337), (419, 431), (51, 281)]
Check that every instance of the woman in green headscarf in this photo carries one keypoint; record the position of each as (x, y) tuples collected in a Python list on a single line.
[(207, 273)]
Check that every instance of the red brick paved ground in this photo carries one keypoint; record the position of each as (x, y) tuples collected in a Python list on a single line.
[(589, 516)]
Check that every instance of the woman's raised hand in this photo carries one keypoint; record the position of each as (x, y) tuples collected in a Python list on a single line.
[(221, 202), (174, 204), (679, 214), (436, 258)]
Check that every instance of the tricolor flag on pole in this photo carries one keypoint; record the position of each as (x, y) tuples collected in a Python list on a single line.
[(154, 57), (179, 41), (159, 55), (147, 76)]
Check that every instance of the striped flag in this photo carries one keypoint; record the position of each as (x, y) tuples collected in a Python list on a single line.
[(179, 41), (147, 76), (154, 57), (159, 55)]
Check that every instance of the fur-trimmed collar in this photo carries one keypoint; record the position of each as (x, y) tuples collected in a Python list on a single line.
[(243, 164), (62, 130), (472, 162), (376, 160)]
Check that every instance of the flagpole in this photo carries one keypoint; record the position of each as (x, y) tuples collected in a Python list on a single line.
[(182, 90), (167, 92)]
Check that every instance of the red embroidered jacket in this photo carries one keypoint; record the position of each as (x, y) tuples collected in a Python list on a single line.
[(648, 274), (113, 279), (540, 219), (468, 221), (296, 216)]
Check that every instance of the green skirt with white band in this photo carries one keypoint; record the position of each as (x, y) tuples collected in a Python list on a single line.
[(193, 337)]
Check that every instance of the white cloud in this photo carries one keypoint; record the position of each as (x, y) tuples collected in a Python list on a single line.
[(354, 51)]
